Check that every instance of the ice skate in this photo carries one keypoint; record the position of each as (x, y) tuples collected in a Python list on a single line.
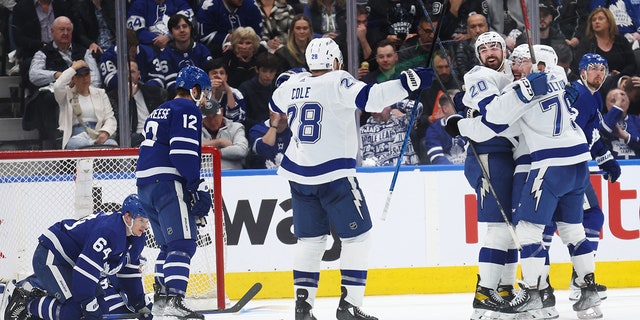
[(527, 304), (548, 303), (574, 294), (347, 311), (303, 308), (486, 303), (159, 301), (17, 306), (588, 305), (507, 292), (176, 309)]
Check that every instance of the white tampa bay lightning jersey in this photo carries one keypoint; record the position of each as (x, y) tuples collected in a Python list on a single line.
[(482, 86), (321, 112), (552, 136)]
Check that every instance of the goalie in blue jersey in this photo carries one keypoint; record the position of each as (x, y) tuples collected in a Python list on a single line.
[(320, 165), (170, 188), (72, 261)]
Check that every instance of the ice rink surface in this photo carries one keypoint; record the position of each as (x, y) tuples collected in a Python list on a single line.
[(621, 304)]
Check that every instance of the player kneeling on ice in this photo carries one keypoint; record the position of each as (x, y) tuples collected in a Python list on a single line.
[(320, 166), (72, 262)]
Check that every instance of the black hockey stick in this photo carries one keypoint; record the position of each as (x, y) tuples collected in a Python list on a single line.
[(414, 112), (237, 307), (485, 173)]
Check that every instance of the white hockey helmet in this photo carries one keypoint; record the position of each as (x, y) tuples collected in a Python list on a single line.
[(320, 54), (519, 53), (490, 37), (544, 55)]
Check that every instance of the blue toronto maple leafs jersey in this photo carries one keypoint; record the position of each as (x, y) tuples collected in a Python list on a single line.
[(171, 60), (145, 56), (215, 21), (172, 146), (95, 246), (149, 18)]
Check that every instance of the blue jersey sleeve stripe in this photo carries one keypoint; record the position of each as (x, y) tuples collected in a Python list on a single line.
[(484, 102), (184, 139), (184, 151), (323, 168), (157, 170), (559, 152), (363, 97), (274, 107), (58, 246), (85, 273)]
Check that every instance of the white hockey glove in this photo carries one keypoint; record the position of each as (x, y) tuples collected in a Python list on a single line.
[(535, 84)]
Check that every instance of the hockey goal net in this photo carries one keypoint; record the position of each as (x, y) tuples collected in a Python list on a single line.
[(40, 188)]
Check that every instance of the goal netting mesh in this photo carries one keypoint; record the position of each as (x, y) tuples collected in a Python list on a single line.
[(39, 188)]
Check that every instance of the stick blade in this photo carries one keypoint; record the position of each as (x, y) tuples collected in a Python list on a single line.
[(252, 292)]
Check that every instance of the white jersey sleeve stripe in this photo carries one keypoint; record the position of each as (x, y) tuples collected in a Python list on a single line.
[(56, 243), (182, 151), (156, 170), (86, 274), (183, 139)]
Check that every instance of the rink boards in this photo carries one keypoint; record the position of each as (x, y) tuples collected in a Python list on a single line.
[(428, 244)]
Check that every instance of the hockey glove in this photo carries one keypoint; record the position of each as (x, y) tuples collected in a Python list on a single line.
[(452, 125), (571, 94), (199, 199), (610, 166), (416, 78), (535, 84), (91, 310), (457, 101)]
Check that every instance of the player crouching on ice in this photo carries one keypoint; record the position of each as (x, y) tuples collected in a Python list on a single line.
[(86, 268)]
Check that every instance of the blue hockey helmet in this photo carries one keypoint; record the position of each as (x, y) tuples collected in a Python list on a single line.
[(133, 205), (190, 76), (590, 59)]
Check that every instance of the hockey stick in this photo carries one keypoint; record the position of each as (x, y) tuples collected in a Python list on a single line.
[(485, 173), (527, 30), (237, 307), (385, 211)]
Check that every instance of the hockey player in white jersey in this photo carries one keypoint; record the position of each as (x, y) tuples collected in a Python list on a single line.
[(320, 166), (555, 186)]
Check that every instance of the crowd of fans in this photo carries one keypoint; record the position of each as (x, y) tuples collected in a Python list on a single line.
[(66, 54)]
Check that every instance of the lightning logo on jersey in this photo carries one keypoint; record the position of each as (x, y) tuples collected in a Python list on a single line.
[(536, 188), (357, 197)]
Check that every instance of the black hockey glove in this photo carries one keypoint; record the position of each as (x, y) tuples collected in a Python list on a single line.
[(452, 125)]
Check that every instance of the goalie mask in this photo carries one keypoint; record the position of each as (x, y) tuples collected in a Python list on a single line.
[(320, 54)]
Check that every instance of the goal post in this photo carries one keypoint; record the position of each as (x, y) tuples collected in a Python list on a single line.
[(40, 188)]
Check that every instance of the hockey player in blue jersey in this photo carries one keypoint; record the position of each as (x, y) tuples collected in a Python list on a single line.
[(74, 255), (320, 166), (143, 54), (171, 190), (181, 51)]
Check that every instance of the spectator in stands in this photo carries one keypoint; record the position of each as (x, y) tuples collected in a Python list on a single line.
[(143, 99), (624, 139), (415, 51), (91, 26), (31, 26), (626, 13), (224, 134), (86, 117), (148, 18), (41, 110), (573, 20), (218, 20), (257, 91), (241, 57), (602, 37), (441, 147), (6, 7), (505, 17), (400, 20), (550, 34), (465, 55), (631, 86), (181, 51), (269, 140), (430, 99), (386, 60), (143, 54), (366, 39), (454, 27), (276, 19), (230, 98), (329, 19), (383, 135), (300, 34)]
